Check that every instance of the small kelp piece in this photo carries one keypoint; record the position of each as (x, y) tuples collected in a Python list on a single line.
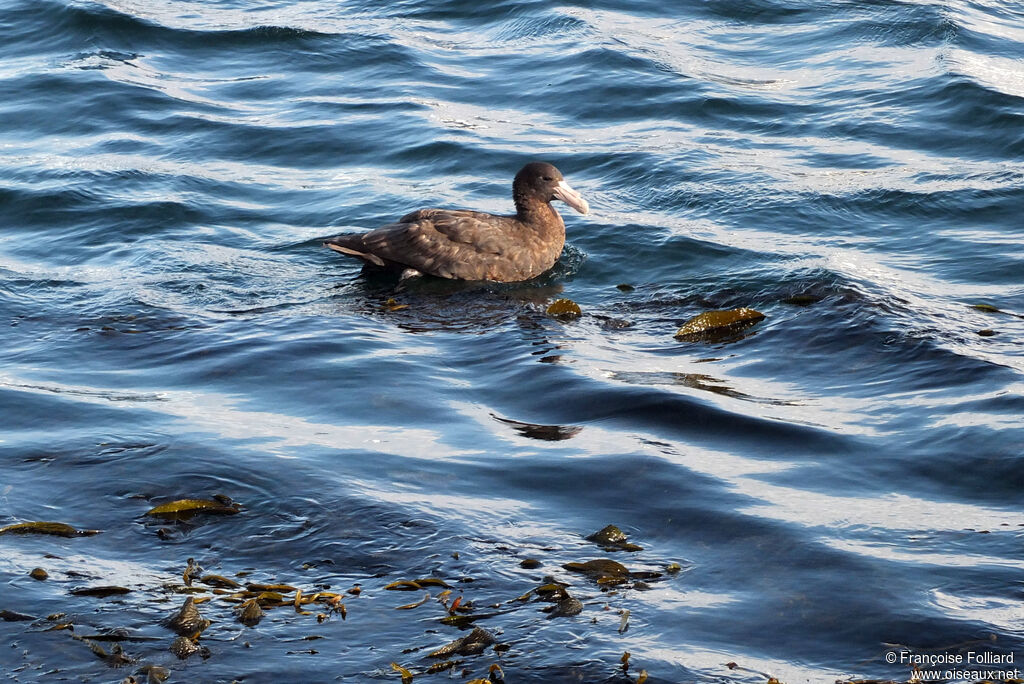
[(987, 308), (38, 574), (599, 569), (54, 528), (100, 592), (471, 644), (431, 582), (406, 675), (609, 534), (404, 585), (551, 591), (611, 538), (392, 305), (192, 571), (155, 674), (567, 606), (441, 667), (410, 606), (188, 621), (279, 588), (183, 647), (219, 581), (564, 309), (462, 621), (250, 613), (712, 326), (115, 657), (183, 509)]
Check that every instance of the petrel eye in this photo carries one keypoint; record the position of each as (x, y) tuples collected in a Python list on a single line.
[(547, 178)]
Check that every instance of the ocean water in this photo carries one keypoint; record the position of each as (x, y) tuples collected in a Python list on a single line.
[(840, 485)]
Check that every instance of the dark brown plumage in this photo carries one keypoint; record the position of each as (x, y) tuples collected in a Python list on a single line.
[(472, 245)]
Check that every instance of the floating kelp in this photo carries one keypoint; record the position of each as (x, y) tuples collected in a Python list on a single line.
[(183, 647), (410, 606), (11, 616), (119, 634), (566, 607), (625, 287), (609, 534), (229, 600), (446, 665), (279, 588), (599, 568), (154, 674), (712, 326), (60, 626), (987, 308), (266, 599), (38, 574), (415, 585), (183, 509), (432, 582), (564, 309), (391, 304), (220, 582), (193, 570), (612, 323), (986, 332), (250, 613), (471, 644), (115, 657), (406, 675), (100, 592), (611, 538), (462, 621), (549, 591), (457, 604), (53, 528), (803, 299), (188, 621)]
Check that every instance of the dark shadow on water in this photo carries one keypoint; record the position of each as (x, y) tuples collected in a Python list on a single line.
[(548, 433), (428, 304), (698, 381)]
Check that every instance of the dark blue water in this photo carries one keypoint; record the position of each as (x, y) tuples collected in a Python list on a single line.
[(842, 482)]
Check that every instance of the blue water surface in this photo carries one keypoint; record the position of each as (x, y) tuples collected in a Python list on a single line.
[(840, 482)]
